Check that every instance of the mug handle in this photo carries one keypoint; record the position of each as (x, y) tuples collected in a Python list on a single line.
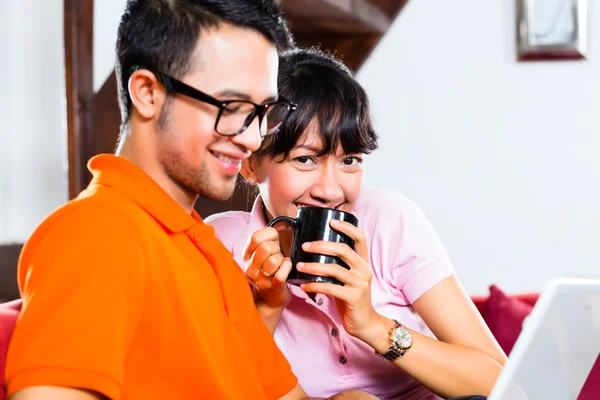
[(288, 220), (291, 221)]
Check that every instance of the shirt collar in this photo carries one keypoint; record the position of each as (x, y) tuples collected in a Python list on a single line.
[(129, 179)]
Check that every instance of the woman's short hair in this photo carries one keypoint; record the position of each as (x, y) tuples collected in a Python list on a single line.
[(327, 94)]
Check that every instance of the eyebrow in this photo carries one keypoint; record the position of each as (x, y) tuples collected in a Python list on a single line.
[(308, 147), (241, 96)]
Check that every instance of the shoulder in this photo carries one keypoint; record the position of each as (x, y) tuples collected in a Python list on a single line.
[(230, 216), (382, 196), (384, 204), (88, 231), (230, 220), (95, 216), (229, 225), (404, 246), (385, 214)]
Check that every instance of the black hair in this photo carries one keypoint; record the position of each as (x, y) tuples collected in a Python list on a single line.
[(162, 34), (326, 93)]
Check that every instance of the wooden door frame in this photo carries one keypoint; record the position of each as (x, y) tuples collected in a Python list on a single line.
[(78, 19), (79, 74)]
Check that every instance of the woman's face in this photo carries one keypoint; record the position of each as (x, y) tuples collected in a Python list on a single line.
[(306, 179)]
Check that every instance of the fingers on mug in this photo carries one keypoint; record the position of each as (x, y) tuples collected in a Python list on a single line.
[(312, 224)]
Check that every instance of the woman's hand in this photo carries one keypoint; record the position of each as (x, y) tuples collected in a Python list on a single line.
[(353, 300), (268, 269)]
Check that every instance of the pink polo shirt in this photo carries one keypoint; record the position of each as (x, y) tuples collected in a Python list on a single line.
[(407, 258)]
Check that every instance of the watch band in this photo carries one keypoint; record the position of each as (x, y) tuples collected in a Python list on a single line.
[(394, 351)]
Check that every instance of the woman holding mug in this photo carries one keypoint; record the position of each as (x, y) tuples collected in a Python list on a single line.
[(401, 326)]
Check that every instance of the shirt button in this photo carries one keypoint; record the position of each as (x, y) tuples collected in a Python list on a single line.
[(320, 302), (343, 360), (334, 332)]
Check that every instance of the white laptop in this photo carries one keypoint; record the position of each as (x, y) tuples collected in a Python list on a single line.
[(558, 345)]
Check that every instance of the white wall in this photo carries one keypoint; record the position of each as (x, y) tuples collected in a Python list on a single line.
[(502, 156), (33, 135), (33, 139), (107, 15)]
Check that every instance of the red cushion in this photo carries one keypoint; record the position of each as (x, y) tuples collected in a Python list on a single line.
[(504, 316), (9, 312), (479, 302), (591, 389), (529, 298)]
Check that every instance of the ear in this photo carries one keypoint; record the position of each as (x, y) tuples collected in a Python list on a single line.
[(146, 94), (248, 169)]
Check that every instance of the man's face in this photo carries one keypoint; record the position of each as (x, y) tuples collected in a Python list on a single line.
[(229, 63)]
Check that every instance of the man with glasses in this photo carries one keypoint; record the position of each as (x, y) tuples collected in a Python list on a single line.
[(127, 294)]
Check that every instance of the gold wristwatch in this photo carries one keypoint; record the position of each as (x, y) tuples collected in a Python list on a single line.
[(400, 341)]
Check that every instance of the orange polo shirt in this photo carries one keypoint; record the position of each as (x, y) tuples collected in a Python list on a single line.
[(128, 295)]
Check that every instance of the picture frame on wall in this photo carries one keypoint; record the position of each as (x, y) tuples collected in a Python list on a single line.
[(552, 29)]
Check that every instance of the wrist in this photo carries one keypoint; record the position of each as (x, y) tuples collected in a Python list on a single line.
[(268, 311), (377, 335)]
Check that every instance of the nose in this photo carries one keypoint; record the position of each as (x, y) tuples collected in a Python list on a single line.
[(327, 189), (250, 138)]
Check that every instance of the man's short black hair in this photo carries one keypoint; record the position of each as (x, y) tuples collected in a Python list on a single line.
[(162, 34)]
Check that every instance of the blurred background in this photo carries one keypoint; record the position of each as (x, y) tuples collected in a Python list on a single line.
[(500, 151)]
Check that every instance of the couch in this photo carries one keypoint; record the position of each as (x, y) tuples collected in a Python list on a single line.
[(503, 314), (9, 312)]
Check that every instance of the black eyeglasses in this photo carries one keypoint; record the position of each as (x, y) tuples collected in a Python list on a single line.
[(235, 116)]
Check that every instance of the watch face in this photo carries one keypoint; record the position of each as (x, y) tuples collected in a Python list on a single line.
[(402, 337)]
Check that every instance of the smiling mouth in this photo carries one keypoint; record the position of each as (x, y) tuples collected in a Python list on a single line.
[(225, 158)]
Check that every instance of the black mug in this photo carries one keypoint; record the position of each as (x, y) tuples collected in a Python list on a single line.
[(311, 225)]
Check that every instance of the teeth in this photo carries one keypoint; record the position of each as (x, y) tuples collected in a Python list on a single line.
[(227, 159), (298, 205)]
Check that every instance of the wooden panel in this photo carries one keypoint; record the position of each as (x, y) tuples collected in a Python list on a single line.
[(106, 117), (9, 257), (391, 7), (348, 28), (317, 17), (351, 49), (79, 61)]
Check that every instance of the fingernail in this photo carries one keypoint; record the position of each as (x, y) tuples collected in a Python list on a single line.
[(334, 222), (306, 246), (300, 265)]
